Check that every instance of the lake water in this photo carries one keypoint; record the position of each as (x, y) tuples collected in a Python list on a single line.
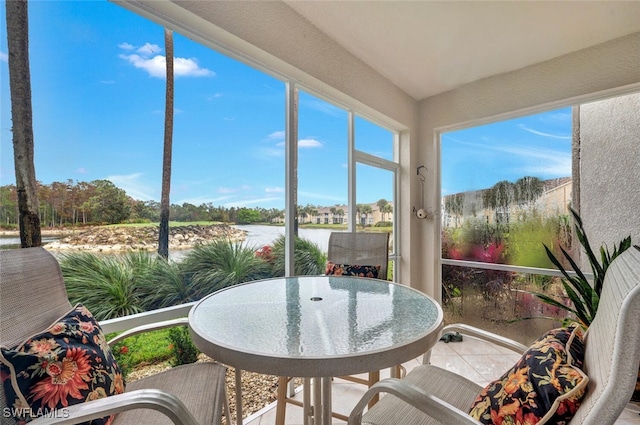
[(11, 242), (257, 236)]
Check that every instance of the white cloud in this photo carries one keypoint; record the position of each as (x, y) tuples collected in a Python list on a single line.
[(274, 189), (4, 57), (309, 143), (322, 196), (226, 190), (154, 66), (276, 135), (149, 49), (134, 185), (107, 82), (305, 143), (324, 107), (81, 170), (189, 68), (147, 59), (223, 189), (540, 133), (204, 199), (549, 162), (245, 202), (270, 152)]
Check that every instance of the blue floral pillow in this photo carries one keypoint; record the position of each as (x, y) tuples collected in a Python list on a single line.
[(546, 385), (334, 269), (68, 363)]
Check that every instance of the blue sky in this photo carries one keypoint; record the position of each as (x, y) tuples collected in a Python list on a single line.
[(537, 145), (98, 91)]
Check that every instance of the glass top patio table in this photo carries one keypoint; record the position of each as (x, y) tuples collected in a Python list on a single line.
[(315, 326)]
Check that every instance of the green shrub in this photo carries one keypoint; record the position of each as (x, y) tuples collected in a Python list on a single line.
[(220, 264), (182, 349), (108, 285), (383, 224), (310, 259), (165, 284)]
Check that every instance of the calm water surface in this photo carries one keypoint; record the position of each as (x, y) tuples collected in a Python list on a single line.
[(11, 242)]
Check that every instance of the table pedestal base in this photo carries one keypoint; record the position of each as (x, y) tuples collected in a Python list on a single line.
[(318, 413)]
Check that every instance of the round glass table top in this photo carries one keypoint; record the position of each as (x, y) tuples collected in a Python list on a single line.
[(315, 325)]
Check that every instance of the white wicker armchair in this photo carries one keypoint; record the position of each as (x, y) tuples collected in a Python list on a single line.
[(33, 297), (431, 395)]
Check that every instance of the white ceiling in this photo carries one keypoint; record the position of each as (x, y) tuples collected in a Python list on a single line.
[(429, 47)]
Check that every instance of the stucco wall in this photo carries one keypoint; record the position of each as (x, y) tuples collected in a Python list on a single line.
[(610, 170), (601, 71)]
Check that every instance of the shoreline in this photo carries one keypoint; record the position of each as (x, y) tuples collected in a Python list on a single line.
[(45, 232), (132, 238)]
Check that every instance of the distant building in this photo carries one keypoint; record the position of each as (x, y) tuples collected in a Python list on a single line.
[(338, 214), (555, 200)]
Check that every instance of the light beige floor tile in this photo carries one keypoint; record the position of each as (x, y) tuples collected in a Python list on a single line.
[(475, 346), (442, 348), (490, 367), (457, 365)]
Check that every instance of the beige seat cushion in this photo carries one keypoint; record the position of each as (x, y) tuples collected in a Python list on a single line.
[(187, 383), (391, 410)]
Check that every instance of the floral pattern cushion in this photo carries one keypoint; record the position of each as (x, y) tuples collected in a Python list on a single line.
[(546, 385), (334, 269), (66, 364)]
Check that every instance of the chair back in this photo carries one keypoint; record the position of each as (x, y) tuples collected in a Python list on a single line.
[(612, 352), (360, 248), (32, 293)]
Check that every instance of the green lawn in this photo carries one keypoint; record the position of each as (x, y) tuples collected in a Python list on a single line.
[(144, 349)]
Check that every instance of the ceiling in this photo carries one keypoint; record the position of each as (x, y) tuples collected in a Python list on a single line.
[(429, 47)]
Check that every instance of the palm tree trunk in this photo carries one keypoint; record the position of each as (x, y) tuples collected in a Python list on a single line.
[(21, 115), (163, 242)]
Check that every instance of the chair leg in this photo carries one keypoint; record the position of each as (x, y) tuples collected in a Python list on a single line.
[(281, 400), (373, 378), (226, 409)]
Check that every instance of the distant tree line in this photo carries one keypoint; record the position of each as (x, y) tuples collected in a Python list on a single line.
[(101, 202)]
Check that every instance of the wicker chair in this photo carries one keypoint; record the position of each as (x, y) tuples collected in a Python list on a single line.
[(351, 248), (360, 248), (33, 297), (431, 395)]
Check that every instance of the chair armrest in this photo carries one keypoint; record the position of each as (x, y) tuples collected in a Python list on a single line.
[(150, 327), (436, 408), (481, 334), (145, 318), (486, 336), (160, 401)]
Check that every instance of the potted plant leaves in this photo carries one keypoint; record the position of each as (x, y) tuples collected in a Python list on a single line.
[(584, 293)]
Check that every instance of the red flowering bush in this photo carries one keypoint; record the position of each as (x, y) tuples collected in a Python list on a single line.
[(266, 253)]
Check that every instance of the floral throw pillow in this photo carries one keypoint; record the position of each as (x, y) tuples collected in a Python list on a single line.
[(334, 269), (545, 386), (66, 364)]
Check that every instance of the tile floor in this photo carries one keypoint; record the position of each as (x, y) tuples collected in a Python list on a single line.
[(477, 360)]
